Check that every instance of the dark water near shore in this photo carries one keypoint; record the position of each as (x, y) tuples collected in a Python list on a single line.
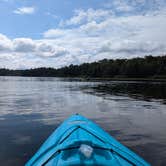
[(31, 108)]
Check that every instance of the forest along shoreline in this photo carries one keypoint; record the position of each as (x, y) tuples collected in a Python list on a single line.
[(148, 68)]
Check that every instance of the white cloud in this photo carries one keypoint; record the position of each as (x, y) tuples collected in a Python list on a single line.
[(54, 33), (82, 16), (26, 53), (24, 10), (130, 47), (47, 49), (5, 43), (24, 45), (122, 6)]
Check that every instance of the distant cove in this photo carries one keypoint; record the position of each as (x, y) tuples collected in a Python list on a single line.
[(146, 68)]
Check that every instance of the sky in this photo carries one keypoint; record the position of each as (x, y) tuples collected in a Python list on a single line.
[(57, 33)]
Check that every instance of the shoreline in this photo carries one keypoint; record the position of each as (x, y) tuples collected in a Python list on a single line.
[(128, 79), (97, 78)]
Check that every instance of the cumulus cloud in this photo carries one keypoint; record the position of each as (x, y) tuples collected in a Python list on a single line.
[(128, 36), (45, 49), (53, 33), (5, 43), (26, 53), (24, 45), (82, 16), (133, 47), (24, 10)]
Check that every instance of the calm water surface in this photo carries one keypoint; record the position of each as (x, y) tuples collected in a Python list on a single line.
[(31, 108)]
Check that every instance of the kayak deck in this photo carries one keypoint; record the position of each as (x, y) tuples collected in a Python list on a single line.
[(79, 141)]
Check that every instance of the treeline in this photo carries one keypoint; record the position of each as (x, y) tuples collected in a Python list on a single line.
[(147, 67)]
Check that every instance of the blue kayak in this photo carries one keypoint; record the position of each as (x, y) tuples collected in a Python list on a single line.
[(79, 141)]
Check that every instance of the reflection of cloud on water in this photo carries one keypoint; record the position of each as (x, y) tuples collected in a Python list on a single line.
[(137, 139), (45, 120), (21, 139)]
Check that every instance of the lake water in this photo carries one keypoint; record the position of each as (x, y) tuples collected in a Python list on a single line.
[(31, 108)]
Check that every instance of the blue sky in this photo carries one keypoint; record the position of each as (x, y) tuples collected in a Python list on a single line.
[(55, 33), (47, 14)]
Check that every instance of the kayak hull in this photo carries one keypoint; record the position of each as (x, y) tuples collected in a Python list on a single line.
[(79, 141)]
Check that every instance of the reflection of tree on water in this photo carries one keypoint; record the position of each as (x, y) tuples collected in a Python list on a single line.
[(144, 90)]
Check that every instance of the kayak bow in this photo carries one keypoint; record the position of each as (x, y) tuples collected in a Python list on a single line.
[(79, 141)]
